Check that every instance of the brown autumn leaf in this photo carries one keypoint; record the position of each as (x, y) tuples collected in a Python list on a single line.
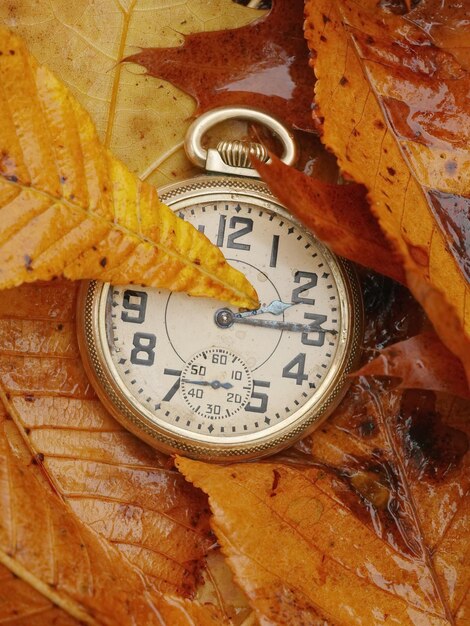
[(70, 208), (338, 215), (392, 101), (372, 529), (44, 544), (260, 65), (422, 362), (114, 483)]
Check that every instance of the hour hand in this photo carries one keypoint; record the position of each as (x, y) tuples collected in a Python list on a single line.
[(276, 307)]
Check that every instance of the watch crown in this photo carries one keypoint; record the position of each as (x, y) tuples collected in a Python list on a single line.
[(237, 153)]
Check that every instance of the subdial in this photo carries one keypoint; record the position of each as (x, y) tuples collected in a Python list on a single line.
[(216, 383)]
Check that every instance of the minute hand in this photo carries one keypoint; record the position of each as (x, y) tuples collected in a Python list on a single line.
[(294, 327)]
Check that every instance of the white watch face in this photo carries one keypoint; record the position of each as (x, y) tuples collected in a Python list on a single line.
[(209, 371)]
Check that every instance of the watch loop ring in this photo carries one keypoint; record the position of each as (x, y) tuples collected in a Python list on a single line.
[(193, 142)]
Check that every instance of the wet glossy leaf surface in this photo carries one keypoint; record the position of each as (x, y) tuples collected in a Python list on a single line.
[(370, 514), (44, 544), (261, 65), (422, 362), (393, 106)]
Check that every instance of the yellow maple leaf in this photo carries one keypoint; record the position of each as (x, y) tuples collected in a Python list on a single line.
[(69, 207)]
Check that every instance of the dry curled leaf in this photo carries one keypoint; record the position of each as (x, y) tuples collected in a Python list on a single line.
[(261, 65), (372, 530), (70, 208), (44, 544), (337, 214), (114, 483), (393, 105), (422, 362)]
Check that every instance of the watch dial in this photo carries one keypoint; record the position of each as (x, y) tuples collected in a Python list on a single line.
[(207, 369)]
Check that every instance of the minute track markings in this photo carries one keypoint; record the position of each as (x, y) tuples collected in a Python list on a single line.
[(272, 366)]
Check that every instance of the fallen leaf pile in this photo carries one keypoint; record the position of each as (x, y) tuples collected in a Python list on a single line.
[(365, 522)]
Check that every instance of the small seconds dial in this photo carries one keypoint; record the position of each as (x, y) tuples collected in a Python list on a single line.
[(216, 384)]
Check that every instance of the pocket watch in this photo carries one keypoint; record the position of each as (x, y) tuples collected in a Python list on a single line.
[(195, 377)]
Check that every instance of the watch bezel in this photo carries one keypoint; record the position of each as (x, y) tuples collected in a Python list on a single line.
[(122, 405)]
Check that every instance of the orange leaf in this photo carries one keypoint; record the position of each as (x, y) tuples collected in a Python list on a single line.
[(422, 362), (263, 65), (370, 530), (43, 544), (394, 105), (338, 215), (21, 604), (114, 483), (68, 207)]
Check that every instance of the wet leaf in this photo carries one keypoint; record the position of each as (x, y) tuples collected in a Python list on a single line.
[(43, 544), (142, 120), (338, 215), (22, 604), (263, 65), (422, 362), (114, 483), (373, 529), (70, 208), (220, 589), (392, 101)]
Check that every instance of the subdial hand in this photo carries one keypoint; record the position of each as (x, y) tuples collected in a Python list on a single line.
[(215, 384)]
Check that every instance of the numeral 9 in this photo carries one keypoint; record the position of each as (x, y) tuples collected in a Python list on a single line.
[(135, 311)]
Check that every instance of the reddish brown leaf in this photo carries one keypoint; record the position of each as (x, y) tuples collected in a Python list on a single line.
[(371, 531), (263, 65), (422, 362), (339, 215)]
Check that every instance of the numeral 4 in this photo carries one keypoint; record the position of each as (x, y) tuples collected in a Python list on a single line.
[(296, 369)]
